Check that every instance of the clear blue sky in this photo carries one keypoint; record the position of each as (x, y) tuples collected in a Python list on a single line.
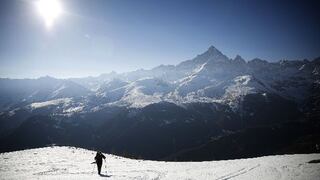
[(98, 36)]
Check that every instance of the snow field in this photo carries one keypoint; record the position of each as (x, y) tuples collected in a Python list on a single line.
[(75, 163)]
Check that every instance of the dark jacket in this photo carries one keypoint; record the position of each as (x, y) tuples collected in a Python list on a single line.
[(99, 157)]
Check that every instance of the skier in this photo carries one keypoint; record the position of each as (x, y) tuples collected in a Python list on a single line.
[(98, 160)]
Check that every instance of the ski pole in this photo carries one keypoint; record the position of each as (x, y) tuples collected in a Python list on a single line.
[(93, 167), (105, 165)]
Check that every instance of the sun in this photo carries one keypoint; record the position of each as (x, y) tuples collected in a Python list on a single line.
[(49, 10)]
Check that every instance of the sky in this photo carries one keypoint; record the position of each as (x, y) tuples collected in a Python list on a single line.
[(91, 37)]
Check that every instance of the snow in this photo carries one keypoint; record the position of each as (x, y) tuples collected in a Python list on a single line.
[(58, 91), (141, 93), (242, 85), (13, 112), (75, 163), (302, 67), (210, 77), (50, 103), (316, 71), (74, 109), (136, 99), (200, 68)]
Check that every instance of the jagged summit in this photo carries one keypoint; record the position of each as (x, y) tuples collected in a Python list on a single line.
[(212, 54), (213, 49), (257, 61), (210, 95), (239, 59)]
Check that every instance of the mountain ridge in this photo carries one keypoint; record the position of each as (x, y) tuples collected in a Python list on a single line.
[(171, 108)]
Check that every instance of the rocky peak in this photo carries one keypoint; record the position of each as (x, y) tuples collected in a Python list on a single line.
[(239, 59), (211, 55)]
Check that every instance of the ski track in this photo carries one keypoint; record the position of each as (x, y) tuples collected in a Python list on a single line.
[(75, 163), (237, 173)]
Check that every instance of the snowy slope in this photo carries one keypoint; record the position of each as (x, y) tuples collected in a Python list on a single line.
[(75, 163)]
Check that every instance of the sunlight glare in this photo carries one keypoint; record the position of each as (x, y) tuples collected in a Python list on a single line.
[(49, 11)]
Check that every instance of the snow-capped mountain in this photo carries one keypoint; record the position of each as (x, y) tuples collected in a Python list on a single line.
[(209, 77), (17, 92), (174, 107)]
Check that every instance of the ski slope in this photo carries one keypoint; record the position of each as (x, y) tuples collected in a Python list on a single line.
[(75, 163)]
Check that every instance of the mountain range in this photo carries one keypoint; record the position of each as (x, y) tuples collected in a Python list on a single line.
[(209, 107)]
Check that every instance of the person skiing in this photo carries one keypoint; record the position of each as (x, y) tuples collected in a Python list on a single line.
[(98, 160)]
